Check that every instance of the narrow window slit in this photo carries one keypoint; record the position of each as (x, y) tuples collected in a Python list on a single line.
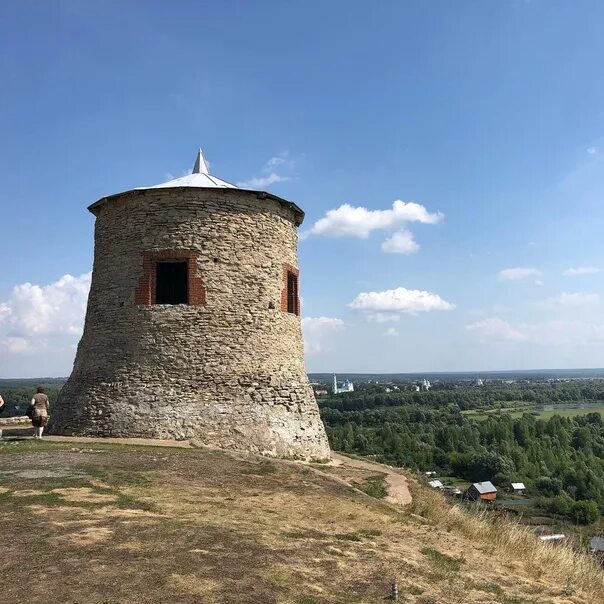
[(292, 293)]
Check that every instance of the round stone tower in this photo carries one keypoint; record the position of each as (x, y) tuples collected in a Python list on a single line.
[(193, 322)]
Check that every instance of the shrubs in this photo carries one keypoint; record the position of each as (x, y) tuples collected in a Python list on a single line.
[(560, 505), (548, 486), (584, 511)]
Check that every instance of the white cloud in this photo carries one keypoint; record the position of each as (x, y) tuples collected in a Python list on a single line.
[(521, 272), (547, 333), (262, 181), (580, 270), (5, 311), (383, 317), (269, 174), (401, 242), (351, 221), (496, 329), (16, 345), (318, 331), (391, 332), (36, 316), (383, 306), (592, 150), (576, 300)]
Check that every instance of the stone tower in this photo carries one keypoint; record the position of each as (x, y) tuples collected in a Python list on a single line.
[(193, 322)]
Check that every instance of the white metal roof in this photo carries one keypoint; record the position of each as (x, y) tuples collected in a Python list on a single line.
[(200, 177), (436, 484), (518, 486), (597, 544), (485, 487), (556, 537)]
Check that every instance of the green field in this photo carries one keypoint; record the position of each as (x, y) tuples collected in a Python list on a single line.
[(542, 414)]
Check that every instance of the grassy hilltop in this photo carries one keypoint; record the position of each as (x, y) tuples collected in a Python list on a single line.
[(120, 523)]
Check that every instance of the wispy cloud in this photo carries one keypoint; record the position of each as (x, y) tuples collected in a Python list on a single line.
[(520, 272), (318, 333), (546, 333), (573, 301), (272, 172), (580, 270)]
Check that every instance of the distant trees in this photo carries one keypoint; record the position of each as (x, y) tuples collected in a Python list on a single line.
[(492, 395), (560, 459), (18, 393)]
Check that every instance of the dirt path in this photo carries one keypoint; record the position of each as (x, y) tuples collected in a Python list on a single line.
[(398, 490)]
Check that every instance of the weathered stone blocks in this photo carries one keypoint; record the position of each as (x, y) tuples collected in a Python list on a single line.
[(226, 369)]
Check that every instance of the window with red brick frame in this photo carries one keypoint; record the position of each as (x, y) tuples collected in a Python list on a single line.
[(290, 294), (146, 292)]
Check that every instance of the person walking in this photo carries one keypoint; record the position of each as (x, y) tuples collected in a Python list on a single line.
[(39, 405), (1, 410)]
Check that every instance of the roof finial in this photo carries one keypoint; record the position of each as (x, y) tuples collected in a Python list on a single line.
[(200, 167)]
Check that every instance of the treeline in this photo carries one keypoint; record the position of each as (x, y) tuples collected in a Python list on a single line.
[(489, 396), (557, 458), (18, 393)]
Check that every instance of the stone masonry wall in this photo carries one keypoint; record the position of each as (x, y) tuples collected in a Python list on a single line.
[(228, 370)]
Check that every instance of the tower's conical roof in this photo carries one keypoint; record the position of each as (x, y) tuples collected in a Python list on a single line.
[(200, 177)]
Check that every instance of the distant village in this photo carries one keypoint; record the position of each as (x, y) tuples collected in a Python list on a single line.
[(513, 495)]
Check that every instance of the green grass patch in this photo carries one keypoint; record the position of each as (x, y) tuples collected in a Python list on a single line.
[(47, 499), (489, 587), (117, 478), (374, 486), (261, 469), (442, 562), (310, 534), (128, 502), (358, 535)]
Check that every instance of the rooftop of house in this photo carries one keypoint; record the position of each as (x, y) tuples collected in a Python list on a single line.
[(485, 487)]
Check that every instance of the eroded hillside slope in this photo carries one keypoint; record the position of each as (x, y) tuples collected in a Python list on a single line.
[(122, 523)]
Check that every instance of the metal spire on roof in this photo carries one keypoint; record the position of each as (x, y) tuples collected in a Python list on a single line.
[(200, 167)]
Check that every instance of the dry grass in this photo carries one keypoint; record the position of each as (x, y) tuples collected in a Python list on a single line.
[(515, 545), (134, 524)]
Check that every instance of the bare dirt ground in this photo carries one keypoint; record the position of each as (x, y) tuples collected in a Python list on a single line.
[(396, 483), (97, 522)]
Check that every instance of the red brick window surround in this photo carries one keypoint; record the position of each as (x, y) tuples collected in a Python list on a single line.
[(146, 290), (290, 292)]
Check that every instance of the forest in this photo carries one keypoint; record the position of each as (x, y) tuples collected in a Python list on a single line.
[(560, 459)]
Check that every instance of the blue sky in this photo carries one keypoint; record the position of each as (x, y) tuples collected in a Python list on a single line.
[(491, 114)]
